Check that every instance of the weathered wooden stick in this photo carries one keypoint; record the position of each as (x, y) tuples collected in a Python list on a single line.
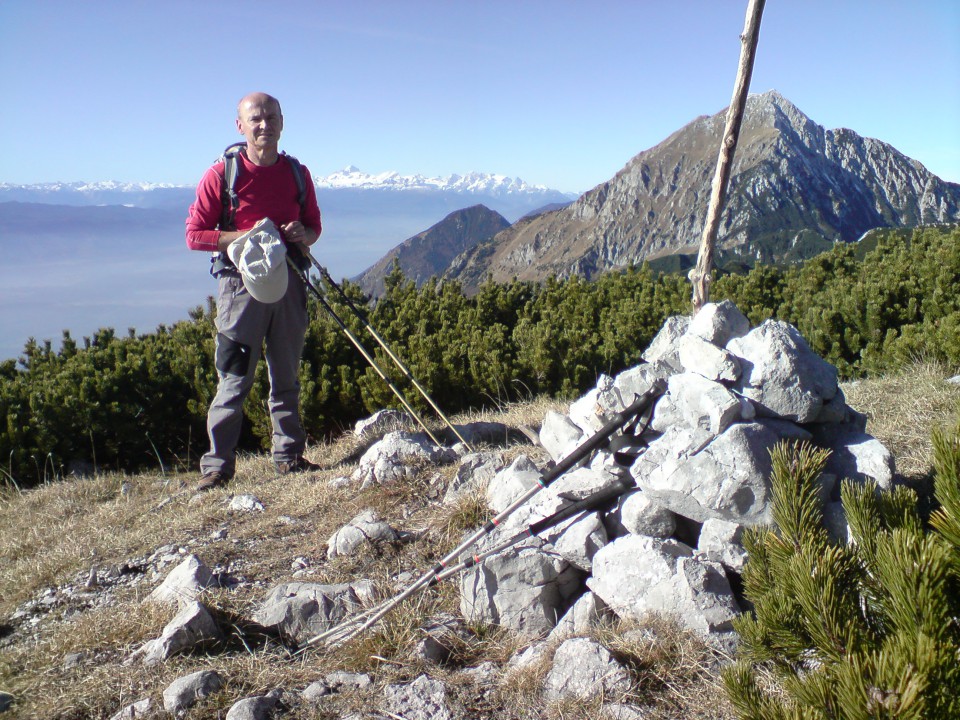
[(700, 276)]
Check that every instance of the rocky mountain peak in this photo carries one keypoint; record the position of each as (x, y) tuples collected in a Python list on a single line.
[(796, 188)]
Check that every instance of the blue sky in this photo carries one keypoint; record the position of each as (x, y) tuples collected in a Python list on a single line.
[(559, 93)]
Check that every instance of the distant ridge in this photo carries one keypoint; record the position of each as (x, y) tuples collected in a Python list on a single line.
[(795, 189), (428, 254), (351, 178)]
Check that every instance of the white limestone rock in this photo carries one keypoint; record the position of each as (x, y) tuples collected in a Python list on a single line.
[(474, 474), (585, 614), (193, 626), (635, 575), (577, 538), (722, 542), (523, 588), (589, 412), (423, 699), (702, 403), (245, 503), (706, 359), (559, 435), (511, 483), (259, 707), (781, 374), (365, 528), (663, 347), (726, 478), (382, 422), (133, 711), (636, 513), (184, 692), (855, 455), (584, 669), (303, 610), (184, 583), (397, 456), (719, 323)]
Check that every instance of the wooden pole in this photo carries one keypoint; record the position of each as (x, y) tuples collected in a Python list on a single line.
[(700, 276)]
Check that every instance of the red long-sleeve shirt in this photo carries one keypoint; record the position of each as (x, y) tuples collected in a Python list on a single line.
[(264, 191)]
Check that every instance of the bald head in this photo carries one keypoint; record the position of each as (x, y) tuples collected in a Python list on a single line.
[(255, 99)]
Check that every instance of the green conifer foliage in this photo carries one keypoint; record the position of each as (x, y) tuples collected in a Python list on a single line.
[(858, 629), (131, 402), (947, 488)]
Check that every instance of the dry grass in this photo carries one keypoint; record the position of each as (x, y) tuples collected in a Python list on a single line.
[(52, 537), (904, 408), (673, 675)]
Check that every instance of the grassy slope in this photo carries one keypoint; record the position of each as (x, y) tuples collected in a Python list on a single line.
[(52, 537)]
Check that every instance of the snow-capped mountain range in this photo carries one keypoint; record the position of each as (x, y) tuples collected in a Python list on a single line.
[(350, 178), (474, 182)]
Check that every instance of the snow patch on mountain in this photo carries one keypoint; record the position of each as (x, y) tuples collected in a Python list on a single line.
[(91, 187), (351, 177)]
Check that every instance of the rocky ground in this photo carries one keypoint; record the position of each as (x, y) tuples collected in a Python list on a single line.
[(87, 629), (133, 596)]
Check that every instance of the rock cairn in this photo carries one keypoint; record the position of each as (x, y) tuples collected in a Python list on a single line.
[(672, 545)]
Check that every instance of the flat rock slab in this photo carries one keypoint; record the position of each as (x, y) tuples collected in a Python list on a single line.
[(302, 610), (584, 669), (636, 575), (423, 699)]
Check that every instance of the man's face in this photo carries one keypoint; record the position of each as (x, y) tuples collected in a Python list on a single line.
[(260, 122)]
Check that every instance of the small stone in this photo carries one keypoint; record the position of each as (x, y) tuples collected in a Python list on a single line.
[(252, 708), (139, 709), (184, 692), (245, 503), (423, 699), (316, 690), (341, 679), (582, 668)]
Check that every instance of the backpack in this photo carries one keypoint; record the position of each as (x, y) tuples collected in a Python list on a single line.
[(228, 196)]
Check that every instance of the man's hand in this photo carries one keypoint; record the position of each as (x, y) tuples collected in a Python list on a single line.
[(295, 232)]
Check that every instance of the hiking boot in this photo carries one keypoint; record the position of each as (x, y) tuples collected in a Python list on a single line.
[(212, 480), (300, 465)]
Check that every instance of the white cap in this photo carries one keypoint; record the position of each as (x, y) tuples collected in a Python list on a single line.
[(261, 258)]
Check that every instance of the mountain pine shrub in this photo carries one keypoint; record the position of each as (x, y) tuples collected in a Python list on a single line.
[(868, 628)]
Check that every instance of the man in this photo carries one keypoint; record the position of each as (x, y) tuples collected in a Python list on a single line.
[(266, 187)]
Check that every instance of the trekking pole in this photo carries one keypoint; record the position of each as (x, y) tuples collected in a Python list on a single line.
[(630, 416), (363, 351), (353, 627), (376, 336)]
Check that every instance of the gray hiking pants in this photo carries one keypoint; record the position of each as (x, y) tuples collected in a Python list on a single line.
[(244, 325)]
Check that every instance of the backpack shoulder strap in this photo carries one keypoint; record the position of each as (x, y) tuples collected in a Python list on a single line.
[(231, 168), (300, 178)]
